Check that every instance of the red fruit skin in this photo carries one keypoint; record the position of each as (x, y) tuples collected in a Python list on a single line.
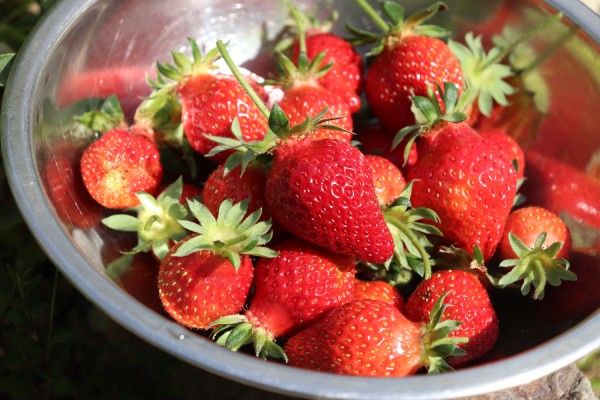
[(66, 190), (470, 184), (141, 281), (561, 188), (251, 186), (199, 288), (387, 179), (307, 99), (346, 75), (508, 146), (210, 103), (118, 165), (378, 290), (299, 286), (528, 223), (408, 67), (375, 140), (190, 192), (364, 337), (467, 301), (322, 191)]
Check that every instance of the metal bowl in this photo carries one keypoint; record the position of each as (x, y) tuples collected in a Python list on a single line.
[(80, 38)]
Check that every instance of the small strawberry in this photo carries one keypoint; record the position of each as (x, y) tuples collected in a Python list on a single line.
[(157, 222), (470, 184), (346, 74), (528, 223), (209, 101), (315, 188), (378, 290), (209, 274), (377, 141), (121, 163), (467, 302), (373, 338), (536, 264), (409, 60), (561, 188), (387, 179), (291, 290)]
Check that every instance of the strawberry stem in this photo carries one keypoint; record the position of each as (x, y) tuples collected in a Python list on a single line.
[(550, 50), (240, 78), (375, 17), (300, 26)]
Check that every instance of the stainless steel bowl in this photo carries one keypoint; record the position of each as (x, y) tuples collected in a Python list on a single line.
[(79, 36)]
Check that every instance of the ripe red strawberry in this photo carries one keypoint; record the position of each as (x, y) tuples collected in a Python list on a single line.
[(66, 190), (528, 223), (408, 62), (190, 192), (509, 147), (209, 274), (236, 187), (322, 191), (209, 101), (561, 188), (140, 280), (375, 140), (291, 290), (118, 165), (468, 303), (470, 184), (346, 74), (387, 179), (378, 290), (372, 338)]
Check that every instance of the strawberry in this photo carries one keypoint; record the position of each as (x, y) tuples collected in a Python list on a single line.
[(236, 187), (346, 74), (209, 101), (316, 188), (467, 302), (157, 222), (408, 61), (372, 338), (190, 192), (291, 290), (66, 190), (561, 188), (376, 140), (535, 264), (528, 223), (378, 290), (470, 184), (387, 179), (122, 162), (209, 274), (509, 147)]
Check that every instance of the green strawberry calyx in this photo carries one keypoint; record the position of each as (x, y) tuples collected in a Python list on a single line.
[(157, 221), (109, 116), (232, 233), (397, 26), (535, 266), (235, 331), (246, 152), (410, 233), (438, 346), (429, 114)]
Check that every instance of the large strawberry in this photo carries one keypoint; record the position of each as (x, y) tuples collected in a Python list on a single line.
[(291, 290), (122, 162), (468, 182), (346, 74), (372, 338), (208, 275), (468, 303), (316, 188), (409, 61)]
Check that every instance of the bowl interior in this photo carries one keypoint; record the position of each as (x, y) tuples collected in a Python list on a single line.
[(112, 48)]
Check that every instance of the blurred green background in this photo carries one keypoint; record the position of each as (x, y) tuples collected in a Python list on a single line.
[(56, 344)]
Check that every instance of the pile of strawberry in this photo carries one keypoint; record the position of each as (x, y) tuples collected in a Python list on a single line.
[(312, 235)]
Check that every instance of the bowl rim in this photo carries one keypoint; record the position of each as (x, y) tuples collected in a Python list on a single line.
[(17, 120)]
